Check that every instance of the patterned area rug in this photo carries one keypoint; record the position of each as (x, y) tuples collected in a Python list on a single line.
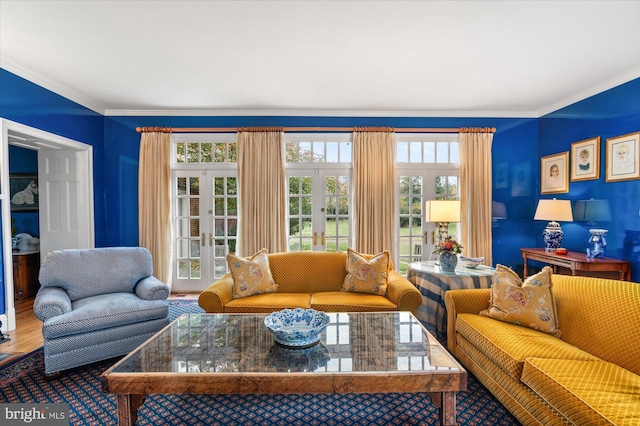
[(22, 382)]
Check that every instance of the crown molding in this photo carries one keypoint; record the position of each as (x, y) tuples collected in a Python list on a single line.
[(322, 113), (51, 86), (624, 78)]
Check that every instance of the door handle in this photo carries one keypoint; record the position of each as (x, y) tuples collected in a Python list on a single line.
[(203, 239), (425, 237), (315, 238), (433, 237), (322, 238), (210, 239)]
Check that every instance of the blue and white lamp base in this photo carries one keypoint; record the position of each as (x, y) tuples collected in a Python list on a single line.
[(553, 236)]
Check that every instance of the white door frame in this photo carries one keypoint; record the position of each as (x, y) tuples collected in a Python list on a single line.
[(51, 141)]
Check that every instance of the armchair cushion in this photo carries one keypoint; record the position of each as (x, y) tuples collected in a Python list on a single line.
[(102, 312), (151, 288), (84, 273), (51, 302)]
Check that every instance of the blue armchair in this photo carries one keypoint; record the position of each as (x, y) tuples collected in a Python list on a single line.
[(97, 304)]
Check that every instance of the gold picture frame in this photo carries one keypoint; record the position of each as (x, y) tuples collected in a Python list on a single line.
[(585, 159), (554, 173), (623, 157)]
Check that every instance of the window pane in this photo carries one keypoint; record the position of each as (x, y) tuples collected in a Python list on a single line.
[(219, 206), (194, 186), (331, 185), (194, 204), (181, 186), (206, 152), (429, 152), (402, 152), (332, 152), (294, 208), (306, 185), (453, 185), (453, 149), (345, 152), (443, 152), (232, 206), (404, 185), (306, 205), (404, 205), (304, 152), (183, 206), (294, 226), (194, 227), (294, 185), (193, 148), (318, 152), (291, 154), (415, 154), (232, 186), (233, 152), (218, 186), (180, 152), (221, 152)]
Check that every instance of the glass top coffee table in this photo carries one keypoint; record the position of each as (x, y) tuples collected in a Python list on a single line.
[(364, 352)]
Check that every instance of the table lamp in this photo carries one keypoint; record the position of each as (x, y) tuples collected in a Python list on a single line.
[(593, 211), (553, 210), (443, 212)]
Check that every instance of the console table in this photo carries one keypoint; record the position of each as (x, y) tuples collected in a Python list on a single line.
[(26, 267), (576, 262)]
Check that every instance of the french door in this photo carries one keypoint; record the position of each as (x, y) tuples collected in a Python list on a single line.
[(417, 238), (205, 214), (319, 210)]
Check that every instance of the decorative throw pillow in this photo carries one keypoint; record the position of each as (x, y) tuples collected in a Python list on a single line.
[(366, 274), (529, 304), (251, 276)]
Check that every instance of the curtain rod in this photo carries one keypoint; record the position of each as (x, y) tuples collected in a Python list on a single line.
[(318, 129)]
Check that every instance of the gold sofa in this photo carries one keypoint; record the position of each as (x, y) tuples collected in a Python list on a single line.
[(311, 280), (589, 376)]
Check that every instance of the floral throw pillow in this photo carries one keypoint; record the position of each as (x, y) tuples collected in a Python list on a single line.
[(366, 275), (251, 276), (529, 304)]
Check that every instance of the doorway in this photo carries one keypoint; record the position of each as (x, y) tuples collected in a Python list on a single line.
[(65, 180)]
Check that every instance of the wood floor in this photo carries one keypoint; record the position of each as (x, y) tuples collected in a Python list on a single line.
[(27, 336)]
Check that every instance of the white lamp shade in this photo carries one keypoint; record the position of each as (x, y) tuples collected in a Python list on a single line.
[(442, 211), (555, 210)]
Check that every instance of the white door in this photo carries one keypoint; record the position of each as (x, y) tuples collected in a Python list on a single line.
[(205, 219), (417, 237), (66, 206), (319, 218)]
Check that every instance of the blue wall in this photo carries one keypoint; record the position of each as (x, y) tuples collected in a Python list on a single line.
[(27, 103), (518, 145), (608, 114)]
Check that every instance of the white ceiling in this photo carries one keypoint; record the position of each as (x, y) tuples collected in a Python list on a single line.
[(400, 58)]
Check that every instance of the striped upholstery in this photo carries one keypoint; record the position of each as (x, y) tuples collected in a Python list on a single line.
[(590, 393), (311, 279), (590, 376)]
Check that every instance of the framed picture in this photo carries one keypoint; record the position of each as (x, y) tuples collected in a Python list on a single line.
[(24, 192), (555, 173), (585, 159), (623, 157)]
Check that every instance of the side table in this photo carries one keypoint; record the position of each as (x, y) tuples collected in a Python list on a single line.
[(433, 283), (577, 262)]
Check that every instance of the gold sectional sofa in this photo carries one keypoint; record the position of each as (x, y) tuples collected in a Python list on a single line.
[(588, 376), (311, 280)]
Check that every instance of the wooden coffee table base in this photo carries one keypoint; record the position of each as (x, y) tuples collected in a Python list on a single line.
[(378, 347)]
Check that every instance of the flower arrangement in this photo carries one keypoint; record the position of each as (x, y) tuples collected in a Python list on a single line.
[(448, 245)]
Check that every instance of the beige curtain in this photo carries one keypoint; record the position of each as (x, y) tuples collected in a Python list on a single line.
[(262, 191), (374, 190), (154, 207), (475, 192)]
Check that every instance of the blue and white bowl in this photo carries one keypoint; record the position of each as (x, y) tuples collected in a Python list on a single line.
[(297, 328), (471, 262)]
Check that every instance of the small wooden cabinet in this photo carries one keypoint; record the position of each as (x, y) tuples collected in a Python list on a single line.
[(26, 267)]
